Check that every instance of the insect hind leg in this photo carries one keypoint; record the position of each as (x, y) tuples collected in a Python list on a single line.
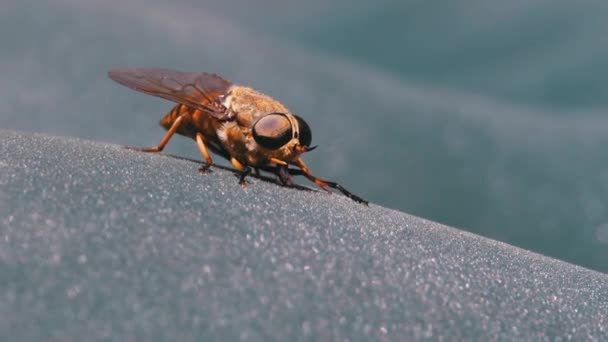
[(163, 142)]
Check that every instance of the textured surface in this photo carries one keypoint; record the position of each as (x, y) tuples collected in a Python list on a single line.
[(495, 120), (101, 242)]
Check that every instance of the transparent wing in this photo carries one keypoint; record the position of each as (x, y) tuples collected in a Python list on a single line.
[(199, 90)]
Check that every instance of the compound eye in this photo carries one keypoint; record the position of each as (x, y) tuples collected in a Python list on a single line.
[(272, 131), (305, 133)]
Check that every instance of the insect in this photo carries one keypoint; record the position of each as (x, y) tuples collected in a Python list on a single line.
[(250, 129)]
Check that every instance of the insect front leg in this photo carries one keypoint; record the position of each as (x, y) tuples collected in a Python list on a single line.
[(323, 183), (283, 172), (164, 140)]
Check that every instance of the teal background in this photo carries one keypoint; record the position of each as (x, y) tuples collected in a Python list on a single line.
[(485, 115)]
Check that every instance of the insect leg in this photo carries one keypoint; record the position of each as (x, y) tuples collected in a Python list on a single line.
[(278, 161), (200, 142), (326, 184), (283, 173), (242, 181), (245, 171), (164, 140), (281, 170)]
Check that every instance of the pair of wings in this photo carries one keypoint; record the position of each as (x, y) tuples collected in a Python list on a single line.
[(199, 90)]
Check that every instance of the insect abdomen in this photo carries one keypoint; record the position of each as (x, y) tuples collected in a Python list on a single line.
[(195, 121), (187, 127), (168, 119)]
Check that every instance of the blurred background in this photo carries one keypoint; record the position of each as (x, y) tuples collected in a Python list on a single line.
[(490, 116)]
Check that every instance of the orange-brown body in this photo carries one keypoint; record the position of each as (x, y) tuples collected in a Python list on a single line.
[(234, 138)]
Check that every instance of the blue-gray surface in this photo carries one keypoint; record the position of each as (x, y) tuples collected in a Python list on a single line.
[(99, 242), (489, 115)]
